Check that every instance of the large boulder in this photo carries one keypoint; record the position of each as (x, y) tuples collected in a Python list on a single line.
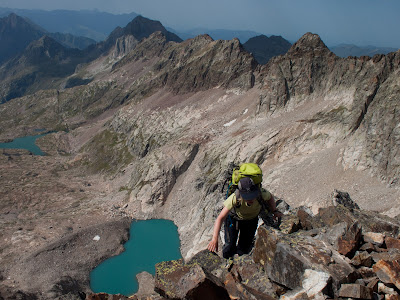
[(287, 257)]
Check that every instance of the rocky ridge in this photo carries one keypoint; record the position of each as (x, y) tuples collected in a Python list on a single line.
[(131, 131), (337, 254)]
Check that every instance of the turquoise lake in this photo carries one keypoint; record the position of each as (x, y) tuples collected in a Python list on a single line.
[(27, 142), (150, 242)]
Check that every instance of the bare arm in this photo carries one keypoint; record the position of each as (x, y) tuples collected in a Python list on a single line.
[(213, 245), (272, 207), (271, 204)]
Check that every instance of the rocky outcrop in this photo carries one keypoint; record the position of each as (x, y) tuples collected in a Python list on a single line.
[(104, 296), (152, 183), (221, 63), (299, 73), (123, 46)]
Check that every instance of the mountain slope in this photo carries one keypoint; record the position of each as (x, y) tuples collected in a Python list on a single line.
[(34, 69), (40, 66), (195, 64), (71, 41)]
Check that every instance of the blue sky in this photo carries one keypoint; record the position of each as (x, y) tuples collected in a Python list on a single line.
[(360, 22)]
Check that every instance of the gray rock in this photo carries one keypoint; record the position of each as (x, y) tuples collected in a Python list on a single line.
[(355, 291), (374, 238)]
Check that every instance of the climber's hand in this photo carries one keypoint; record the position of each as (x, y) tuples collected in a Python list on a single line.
[(276, 215), (213, 246)]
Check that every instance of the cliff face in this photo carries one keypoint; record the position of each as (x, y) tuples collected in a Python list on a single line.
[(157, 128)]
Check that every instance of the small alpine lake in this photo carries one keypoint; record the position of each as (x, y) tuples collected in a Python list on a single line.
[(151, 241), (26, 142)]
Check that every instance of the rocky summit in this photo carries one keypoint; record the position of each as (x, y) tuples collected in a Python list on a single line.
[(151, 131)]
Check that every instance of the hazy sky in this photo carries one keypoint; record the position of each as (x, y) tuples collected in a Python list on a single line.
[(361, 22)]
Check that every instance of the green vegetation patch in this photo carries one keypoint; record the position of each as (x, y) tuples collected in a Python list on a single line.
[(107, 152), (336, 115)]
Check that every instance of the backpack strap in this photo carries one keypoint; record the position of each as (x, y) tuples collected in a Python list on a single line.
[(260, 200), (238, 201)]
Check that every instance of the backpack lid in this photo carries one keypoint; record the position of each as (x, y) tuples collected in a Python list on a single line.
[(247, 170), (248, 190)]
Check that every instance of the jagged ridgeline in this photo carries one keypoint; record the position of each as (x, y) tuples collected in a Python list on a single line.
[(146, 126)]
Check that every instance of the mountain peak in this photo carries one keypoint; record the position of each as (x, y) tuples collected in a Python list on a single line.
[(45, 49), (141, 27), (13, 18), (309, 42), (264, 48)]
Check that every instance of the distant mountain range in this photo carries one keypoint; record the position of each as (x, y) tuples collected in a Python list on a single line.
[(345, 50), (91, 24), (217, 34), (31, 58), (16, 33)]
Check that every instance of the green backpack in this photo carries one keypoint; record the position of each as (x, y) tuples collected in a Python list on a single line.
[(244, 170)]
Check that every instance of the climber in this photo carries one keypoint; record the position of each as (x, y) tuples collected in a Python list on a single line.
[(240, 218)]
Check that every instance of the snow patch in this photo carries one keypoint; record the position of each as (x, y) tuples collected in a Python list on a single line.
[(229, 123)]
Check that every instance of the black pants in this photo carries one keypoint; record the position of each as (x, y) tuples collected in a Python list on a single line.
[(245, 229)]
